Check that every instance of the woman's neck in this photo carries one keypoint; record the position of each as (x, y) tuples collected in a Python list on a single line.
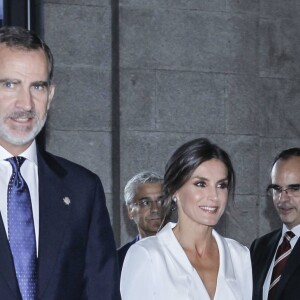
[(194, 237)]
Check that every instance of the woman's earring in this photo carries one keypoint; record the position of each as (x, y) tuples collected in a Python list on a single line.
[(174, 203)]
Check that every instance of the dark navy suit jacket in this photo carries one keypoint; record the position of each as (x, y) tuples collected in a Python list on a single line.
[(123, 250), (77, 257), (262, 253)]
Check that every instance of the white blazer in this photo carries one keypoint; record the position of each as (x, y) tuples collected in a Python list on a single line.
[(157, 268)]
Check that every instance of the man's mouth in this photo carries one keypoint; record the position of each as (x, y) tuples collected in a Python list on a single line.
[(21, 120), (22, 116), (154, 219), (284, 209)]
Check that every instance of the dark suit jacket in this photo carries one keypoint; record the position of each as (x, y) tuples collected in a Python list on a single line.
[(262, 253), (77, 257), (123, 250)]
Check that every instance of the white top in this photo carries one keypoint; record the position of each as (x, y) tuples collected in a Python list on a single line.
[(157, 268), (29, 171), (293, 241)]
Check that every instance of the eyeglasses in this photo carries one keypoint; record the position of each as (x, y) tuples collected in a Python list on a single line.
[(146, 203), (292, 190)]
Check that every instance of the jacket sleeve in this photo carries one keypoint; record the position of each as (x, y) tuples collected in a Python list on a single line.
[(101, 270)]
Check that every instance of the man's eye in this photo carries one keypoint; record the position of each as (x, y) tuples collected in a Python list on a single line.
[(8, 84), (201, 184), (295, 188), (39, 87), (144, 202)]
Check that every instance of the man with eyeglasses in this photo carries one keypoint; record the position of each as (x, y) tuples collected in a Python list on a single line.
[(276, 256), (143, 198)]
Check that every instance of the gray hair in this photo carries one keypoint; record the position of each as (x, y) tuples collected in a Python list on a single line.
[(21, 38), (138, 179)]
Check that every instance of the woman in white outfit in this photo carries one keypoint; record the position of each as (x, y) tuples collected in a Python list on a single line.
[(189, 260)]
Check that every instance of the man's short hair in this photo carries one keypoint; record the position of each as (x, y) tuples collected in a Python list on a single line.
[(23, 39), (286, 154), (140, 178)]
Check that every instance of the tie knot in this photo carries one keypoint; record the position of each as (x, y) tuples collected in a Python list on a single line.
[(16, 162), (289, 235)]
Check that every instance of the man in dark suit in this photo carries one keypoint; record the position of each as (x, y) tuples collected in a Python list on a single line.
[(71, 249), (280, 280), (143, 196)]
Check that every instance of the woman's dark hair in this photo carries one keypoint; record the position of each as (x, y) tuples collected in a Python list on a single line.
[(185, 161), (21, 38)]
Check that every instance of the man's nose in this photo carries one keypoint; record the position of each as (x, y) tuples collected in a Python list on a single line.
[(25, 100), (284, 195), (155, 205)]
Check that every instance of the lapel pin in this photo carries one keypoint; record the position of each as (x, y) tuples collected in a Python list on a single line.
[(67, 200)]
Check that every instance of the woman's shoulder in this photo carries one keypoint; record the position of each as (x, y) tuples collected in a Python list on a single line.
[(155, 240), (146, 242)]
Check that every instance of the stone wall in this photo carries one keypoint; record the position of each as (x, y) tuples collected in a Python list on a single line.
[(137, 78)]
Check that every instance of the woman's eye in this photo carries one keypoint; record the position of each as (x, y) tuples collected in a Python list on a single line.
[(201, 184), (223, 185)]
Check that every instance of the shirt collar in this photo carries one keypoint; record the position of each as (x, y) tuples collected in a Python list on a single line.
[(29, 153), (296, 230)]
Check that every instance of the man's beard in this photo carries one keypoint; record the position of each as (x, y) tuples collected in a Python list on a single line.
[(25, 137)]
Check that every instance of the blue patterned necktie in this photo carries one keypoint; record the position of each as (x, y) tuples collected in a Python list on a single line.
[(21, 233)]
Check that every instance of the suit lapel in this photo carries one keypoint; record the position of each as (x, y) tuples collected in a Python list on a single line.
[(53, 217), (7, 269), (227, 287)]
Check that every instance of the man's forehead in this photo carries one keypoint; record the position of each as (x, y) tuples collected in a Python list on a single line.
[(286, 168), (149, 188), (18, 63)]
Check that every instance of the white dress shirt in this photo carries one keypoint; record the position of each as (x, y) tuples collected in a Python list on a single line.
[(293, 241), (157, 268), (29, 172)]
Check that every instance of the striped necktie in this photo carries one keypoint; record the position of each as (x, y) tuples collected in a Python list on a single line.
[(281, 258)]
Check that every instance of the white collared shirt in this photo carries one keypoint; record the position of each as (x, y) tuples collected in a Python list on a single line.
[(293, 241), (29, 172)]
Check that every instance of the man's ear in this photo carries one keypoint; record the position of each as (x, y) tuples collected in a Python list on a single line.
[(51, 94), (130, 212)]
